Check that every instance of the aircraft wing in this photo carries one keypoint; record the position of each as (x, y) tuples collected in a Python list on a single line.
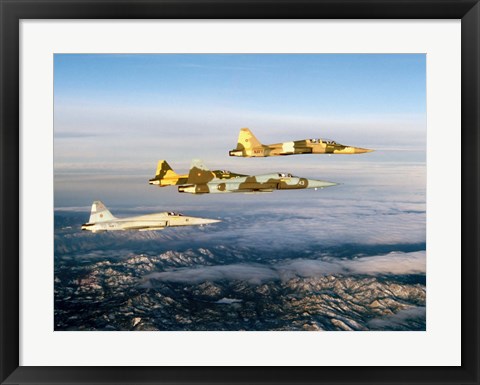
[(151, 228), (250, 187), (264, 190)]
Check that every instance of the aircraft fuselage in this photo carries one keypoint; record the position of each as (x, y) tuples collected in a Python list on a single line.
[(147, 222), (259, 183), (306, 146)]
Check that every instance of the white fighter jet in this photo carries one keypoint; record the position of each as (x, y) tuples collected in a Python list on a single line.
[(102, 220)]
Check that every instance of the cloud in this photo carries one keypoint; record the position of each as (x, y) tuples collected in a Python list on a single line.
[(399, 318), (228, 301), (254, 274), (316, 220), (391, 264)]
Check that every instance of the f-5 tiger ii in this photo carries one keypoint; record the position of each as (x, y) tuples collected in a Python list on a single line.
[(101, 219), (248, 146), (203, 181)]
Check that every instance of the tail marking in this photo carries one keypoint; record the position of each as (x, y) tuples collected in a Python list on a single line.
[(100, 213), (199, 173), (164, 170), (246, 140)]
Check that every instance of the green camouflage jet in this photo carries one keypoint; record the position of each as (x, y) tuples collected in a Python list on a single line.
[(101, 219), (203, 181), (248, 146)]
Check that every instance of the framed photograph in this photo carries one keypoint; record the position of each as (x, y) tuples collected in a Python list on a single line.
[(232, 192)]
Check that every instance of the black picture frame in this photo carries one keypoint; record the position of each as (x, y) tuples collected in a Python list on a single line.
[(12, 11)]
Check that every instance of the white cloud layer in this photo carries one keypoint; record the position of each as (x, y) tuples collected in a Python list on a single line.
[(390, 264)]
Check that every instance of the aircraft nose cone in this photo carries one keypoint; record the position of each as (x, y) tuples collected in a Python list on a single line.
[(203, 221), (359, 150), (208, 221), (352, 150), (320, 183)]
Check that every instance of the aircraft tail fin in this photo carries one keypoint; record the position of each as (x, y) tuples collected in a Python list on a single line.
[(199, 173), (246, 140), (100, 213), (163, 170)]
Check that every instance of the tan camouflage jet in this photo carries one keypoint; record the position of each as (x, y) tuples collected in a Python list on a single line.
[(203, 181), (248, 146), (101, 219)]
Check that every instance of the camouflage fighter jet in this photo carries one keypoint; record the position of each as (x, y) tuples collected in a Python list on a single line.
[(248, 146), (102, 220), (203, 181)]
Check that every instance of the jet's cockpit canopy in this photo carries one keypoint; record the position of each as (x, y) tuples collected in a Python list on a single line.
[(284, 175), (174, 214), (329, 141), (320, 140)]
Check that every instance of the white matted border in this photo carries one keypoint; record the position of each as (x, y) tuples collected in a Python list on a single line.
[(439, 345)]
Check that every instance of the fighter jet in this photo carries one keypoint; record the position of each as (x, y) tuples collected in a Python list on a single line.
[(102, 220), (248, 146), (203, 181)]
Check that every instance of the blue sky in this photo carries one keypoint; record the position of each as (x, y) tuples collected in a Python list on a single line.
[(303, 84), (116, 115)]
